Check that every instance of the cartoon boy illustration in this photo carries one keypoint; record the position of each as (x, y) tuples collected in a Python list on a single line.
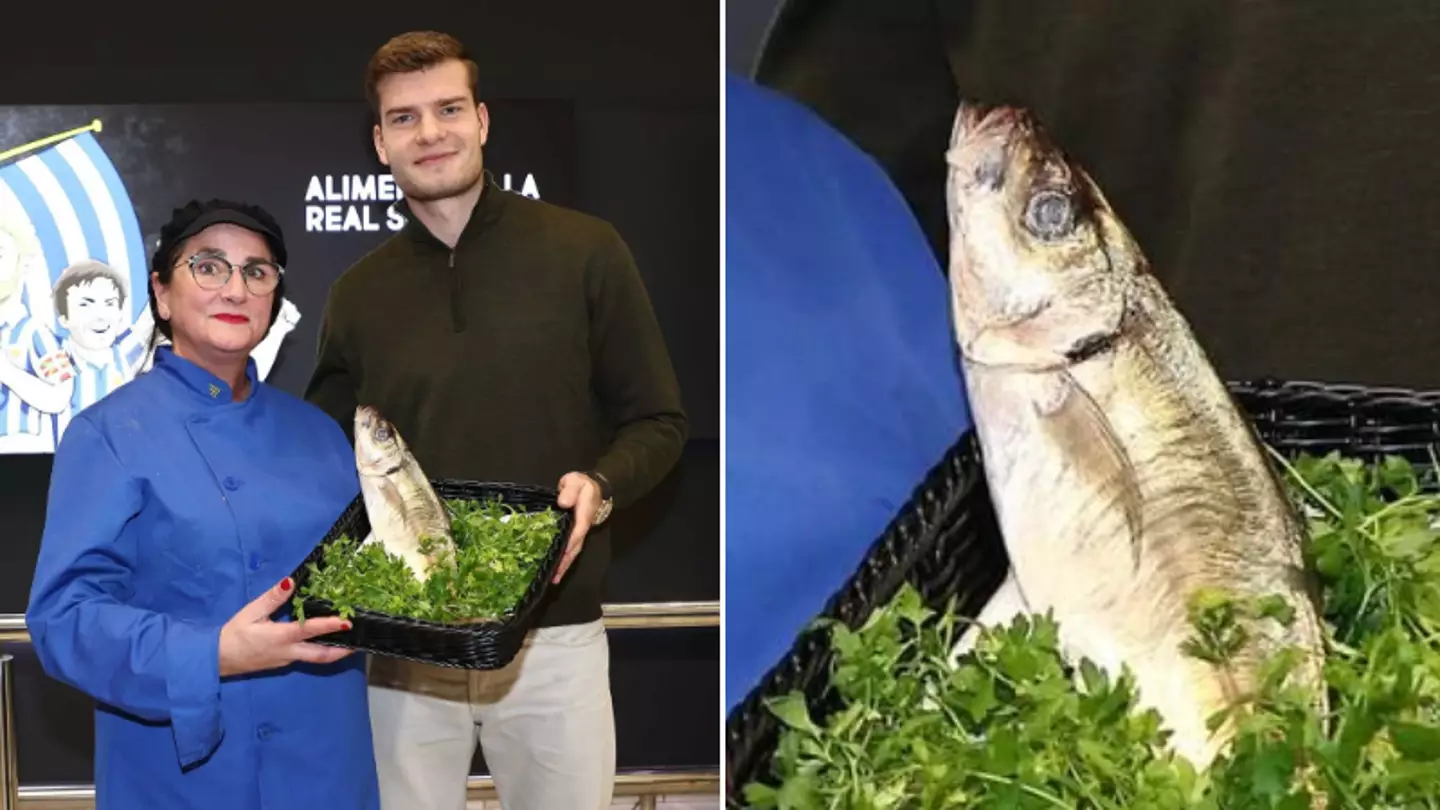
[(106, 352), (36, 377), (91, 300)]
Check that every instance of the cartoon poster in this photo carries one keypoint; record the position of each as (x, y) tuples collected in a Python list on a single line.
[(76, 232), (74, 319)]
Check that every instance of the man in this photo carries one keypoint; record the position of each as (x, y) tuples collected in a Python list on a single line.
[(104, 348), (507, 339), (36, 377)]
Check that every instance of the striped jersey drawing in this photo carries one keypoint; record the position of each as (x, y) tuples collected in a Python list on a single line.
[(63, 201), (94, 380), (30, 348)]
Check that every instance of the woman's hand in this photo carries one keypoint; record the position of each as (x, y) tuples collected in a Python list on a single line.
[(251, 642)]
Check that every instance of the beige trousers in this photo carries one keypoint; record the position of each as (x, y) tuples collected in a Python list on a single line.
[(545, 724)]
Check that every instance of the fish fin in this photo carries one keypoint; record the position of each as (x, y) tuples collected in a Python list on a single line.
[(1082, 426), (391, 496), (387, 516)]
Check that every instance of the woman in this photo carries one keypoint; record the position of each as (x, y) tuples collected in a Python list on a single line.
[(178, 505)]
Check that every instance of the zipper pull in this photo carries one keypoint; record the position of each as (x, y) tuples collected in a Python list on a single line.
[(457, 314)]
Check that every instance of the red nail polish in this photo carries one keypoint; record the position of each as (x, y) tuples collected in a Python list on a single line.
[(285, 584)]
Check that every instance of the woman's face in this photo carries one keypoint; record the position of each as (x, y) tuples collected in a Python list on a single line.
[(227, 322)]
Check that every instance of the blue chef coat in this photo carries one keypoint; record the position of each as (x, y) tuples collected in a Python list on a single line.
[(171, 508), (843, 386)]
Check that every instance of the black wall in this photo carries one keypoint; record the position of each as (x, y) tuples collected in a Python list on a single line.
[(643, 77), (746, 23)]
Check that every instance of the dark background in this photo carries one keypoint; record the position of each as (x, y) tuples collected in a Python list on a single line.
[(746, 23), (1272, 159), (640, 79)]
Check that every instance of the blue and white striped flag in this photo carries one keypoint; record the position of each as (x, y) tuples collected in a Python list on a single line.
[(74, 202), (67, 203)]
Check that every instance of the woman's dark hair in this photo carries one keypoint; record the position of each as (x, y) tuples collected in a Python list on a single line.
[(195, 217)]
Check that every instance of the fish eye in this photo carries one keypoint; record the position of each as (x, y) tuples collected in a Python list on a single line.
[(382, 433), (1050, 215)]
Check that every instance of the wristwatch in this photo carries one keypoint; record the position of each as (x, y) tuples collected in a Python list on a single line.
[(607, 498)]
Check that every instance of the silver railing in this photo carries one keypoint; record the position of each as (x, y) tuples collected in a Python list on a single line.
[(12, 628), (618, 616), (645, 785), (654, 615), (9, 775)]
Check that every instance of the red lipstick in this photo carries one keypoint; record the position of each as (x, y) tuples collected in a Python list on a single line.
[(228, 318)]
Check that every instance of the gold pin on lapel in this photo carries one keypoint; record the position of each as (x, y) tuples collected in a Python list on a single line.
[(214, 390)]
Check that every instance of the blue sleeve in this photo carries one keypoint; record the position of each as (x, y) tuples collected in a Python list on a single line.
[(337, 441), (145, 663), (340, 443), (843, 388)]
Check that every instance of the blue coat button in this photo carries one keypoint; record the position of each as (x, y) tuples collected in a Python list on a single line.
[(231, 484)]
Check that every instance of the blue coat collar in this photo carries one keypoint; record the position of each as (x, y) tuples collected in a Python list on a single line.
[(206, 386)]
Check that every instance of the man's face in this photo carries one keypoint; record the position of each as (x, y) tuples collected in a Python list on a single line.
[(9, 266), (431, 131), (93, 313)]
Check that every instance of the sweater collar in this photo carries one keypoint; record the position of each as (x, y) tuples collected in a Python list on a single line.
[(206, 386), (488, 209)]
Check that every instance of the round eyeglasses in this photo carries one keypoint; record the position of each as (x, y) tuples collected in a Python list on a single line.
[(213, 273)]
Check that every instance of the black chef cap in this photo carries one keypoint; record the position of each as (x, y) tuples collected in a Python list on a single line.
[(196, 216)]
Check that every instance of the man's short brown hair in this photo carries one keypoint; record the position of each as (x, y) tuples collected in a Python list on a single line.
[(412, 51)]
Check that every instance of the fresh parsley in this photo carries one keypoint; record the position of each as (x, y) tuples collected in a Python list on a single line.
[(1007, 725), (499, 549)]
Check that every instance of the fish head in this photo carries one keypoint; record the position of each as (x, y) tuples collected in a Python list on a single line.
[(379, 450), (1038, 260)]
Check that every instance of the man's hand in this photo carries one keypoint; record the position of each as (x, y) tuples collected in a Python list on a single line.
[(579, 492), (251, 642)]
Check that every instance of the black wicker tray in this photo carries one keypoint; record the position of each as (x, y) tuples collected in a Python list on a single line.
[(478, 645), (946, 543)]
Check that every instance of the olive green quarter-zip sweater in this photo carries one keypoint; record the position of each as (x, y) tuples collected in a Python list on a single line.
[(529, 351)]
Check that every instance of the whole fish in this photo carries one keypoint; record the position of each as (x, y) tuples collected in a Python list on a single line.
[(402, 506), (1123, 476)]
